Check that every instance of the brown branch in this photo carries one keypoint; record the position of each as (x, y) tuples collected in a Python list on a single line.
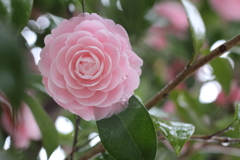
[(189, 70), (206, 138)]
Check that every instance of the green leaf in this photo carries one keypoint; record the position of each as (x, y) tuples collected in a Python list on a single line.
[(177, 133), (223, 72), (35, 82), (196, 24), (12, 69), (131, 18), (15, 14), (129, 134), (104, 156), (7, 155), (238, 117), (48, 130)]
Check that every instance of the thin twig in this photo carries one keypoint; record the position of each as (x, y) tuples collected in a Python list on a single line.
[(188, 71), (83, 6), (95, 150), (75, 137), (206, 138), (85, 143)]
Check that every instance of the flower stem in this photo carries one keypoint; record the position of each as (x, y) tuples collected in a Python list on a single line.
[(75, 137)]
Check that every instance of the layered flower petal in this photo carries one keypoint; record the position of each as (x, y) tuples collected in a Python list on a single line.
[(90, 68)]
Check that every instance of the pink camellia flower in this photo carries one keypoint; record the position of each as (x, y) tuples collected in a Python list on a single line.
[(156, 38), (88, 66), (173, 12), (24, 129), (228, 9)]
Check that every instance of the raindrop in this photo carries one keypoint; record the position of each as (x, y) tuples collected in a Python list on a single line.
[(225, 143)]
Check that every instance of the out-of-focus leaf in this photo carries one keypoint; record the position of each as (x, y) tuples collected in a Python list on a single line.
[(223, 72), (35, 82), (15, 14), (189, 110), (56, 19), (177, 133), (131, 15), (129, 134), (104, 156), (12, 69), (48, 130), (196, 24), (7, 155), (238, 117), (2, 138)]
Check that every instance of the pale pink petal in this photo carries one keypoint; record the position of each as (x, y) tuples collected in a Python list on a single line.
[(81, 93), (64, 105), (124, 64), (70, 81), (45, 82), (108, 23), (100, 113), (107, 65), (138, 70), (90, 41), (113, 96), (102, 84), (116, 79), (72, 51), (121, 31), (132, 81), (62, 28), (105, 36), (57, 45), (134, 60), (73, 38), (75, 104), (85, 113), (31, 125), (60, 59), (44, 66), (113, 53), (48, 39), (89, 83), (62, 95), (92, 16), (94, 100), (56, 76), (45, 52), (95, 26)]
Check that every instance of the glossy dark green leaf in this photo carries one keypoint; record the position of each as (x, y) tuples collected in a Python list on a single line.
[(223, 72), (129, 134), (177, 133), (196, 24), (48, 130), (15, 14)]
